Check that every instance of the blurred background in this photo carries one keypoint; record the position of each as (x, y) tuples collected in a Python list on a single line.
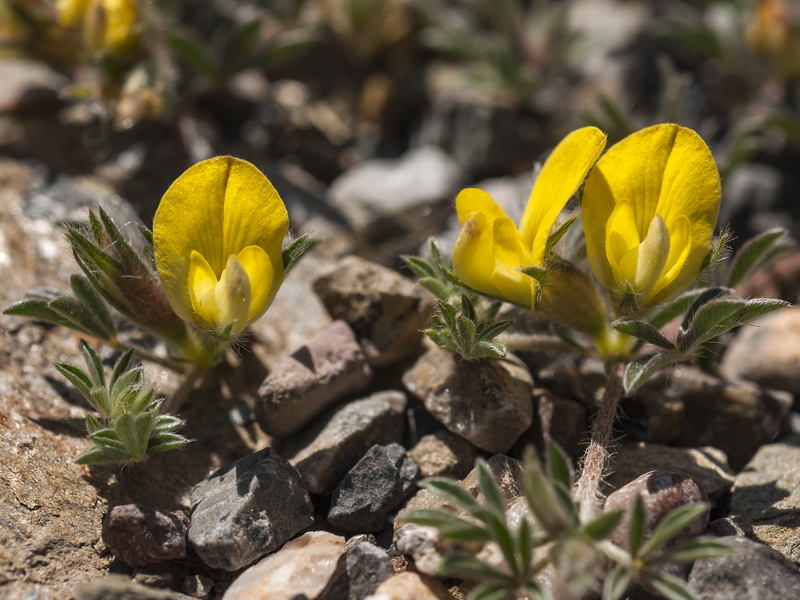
[(370, 115)]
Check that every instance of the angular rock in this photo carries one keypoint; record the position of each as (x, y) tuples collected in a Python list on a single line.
[(386, 310), (139, 535), (324, 451), (707, 466), (119, 587), (754, 572), (372, 489), (735, 416), (390, 215), (767, 353), (410, 585), (197, 586), (444, 454), (301, 569), (247, 509), (329, 368), (423, 545), (765, 500), (662, 492), (507, 472), (362, 568), (487, 402)]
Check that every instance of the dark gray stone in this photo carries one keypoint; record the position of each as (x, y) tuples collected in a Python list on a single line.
[(360, 571), (374, 487), (140, 535), (754, 572), (329, 368), (247, 509), (324, 451), (119, 587)]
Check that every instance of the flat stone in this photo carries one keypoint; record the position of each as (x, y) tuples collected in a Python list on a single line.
[(735, 416), (487, 402), (28, 82), (386, 310), (333, 443), (372, 489), (248, 509), (410, 585), (119, 587), (767, 353), (329, 368), (444, 454), (754, 572), (765, 500), (707, 466), (140, 535), (301, 569)]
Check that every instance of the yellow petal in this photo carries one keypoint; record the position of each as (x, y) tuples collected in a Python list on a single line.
[(263, 284), (474, 200), (218, 207), (509, 257), (664, 169), (473, 260), (560, 177), (201, 279), (232, 297), (680, 238), (652, 256), (622, 243)]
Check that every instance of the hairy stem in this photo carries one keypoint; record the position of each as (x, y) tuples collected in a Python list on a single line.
[(587, 489)]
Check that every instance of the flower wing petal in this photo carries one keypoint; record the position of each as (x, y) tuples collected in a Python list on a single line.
[(472, 200), (560, 177), (258, 267)]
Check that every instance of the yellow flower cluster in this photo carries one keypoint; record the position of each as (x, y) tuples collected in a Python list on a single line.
[(649, 208)]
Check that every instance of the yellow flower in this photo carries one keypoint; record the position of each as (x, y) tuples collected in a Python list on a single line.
[(217, 235), (109, 25), (491, 250), (649, 211)]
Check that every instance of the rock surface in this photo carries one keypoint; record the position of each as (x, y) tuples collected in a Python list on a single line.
[(386, 310), (140, 535), (119, 587), (329, 447), (753, 572), (410, 585), (765, 500), (247, 509), (329, 368), (768, 352), (444, 454), (707, 466), (373, 489), (301, 569), (486, 402)]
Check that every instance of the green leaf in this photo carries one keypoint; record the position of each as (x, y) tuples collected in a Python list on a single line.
[(524, 545), (644, 367), (420, 267), (668, 586), (134, 432), (558, 466), (705, 297), (166, 441), (81, 315), (636, 526), (452, 491), (100, 454), (754, 253), (92, 424), (671, 525), (710, 320), (166, 423), (489, 489), (542, 498), (295, 251), (758, 307), (193, 54), (644, 331), (498, 528), (93, 362), (470, 567), (538, 273), (490, 331), (487, 591), (40, 310), (122, 366), (76, 377), (696, 549), (603, 526), (556, 236), (674, 308), (119, 242), (616, 583)]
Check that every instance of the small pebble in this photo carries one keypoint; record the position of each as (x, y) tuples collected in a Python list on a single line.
[(139, 535)]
